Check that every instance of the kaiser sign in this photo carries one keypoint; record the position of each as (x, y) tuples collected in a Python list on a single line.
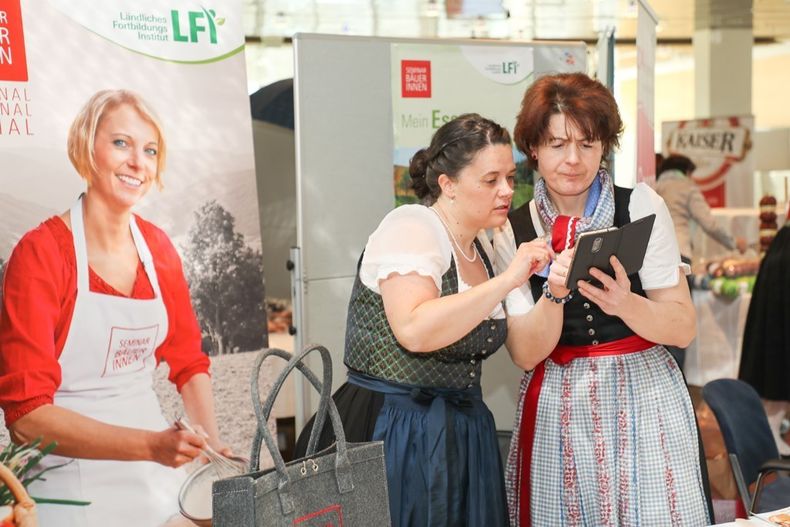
[(720, 147)]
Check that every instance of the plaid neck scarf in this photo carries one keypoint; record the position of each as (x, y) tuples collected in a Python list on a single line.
[(598, 212)]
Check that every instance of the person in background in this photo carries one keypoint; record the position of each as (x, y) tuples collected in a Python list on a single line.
[(687, 205), (765, 357), (426, 310), (605, 432), (93, 299)]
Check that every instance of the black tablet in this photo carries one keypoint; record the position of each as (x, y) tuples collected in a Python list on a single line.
[(593, 249)]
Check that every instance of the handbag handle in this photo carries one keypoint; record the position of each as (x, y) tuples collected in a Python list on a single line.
[(263, 412), (342, 467)]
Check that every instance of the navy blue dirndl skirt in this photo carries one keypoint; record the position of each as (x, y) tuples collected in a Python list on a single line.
[(440, 446)]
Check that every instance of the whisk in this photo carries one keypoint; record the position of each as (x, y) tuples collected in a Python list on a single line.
[(225, 467)]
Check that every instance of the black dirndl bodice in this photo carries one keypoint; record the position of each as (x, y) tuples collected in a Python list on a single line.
[(584, 323)]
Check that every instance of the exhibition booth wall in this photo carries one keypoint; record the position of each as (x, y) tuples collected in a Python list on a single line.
[(356, 125)]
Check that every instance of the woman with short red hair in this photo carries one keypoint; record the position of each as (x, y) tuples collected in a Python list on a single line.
[(605, 432)]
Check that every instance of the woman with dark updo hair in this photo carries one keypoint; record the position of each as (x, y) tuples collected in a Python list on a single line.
[(426, 309)]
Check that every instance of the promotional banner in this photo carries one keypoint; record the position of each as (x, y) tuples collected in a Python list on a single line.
[(432, 85), (721, 148), (185, 60), (645, 93)]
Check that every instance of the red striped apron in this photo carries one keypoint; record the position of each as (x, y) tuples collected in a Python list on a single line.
[(561, 355)]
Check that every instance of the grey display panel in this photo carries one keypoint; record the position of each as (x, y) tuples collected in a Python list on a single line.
[(344, 173)]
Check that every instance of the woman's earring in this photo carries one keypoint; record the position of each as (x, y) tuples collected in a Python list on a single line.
[(452, 200), (534, 156)]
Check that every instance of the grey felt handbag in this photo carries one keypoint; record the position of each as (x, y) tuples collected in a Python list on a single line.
[(343, 485)]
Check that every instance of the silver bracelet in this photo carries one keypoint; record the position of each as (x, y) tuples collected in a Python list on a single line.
[(564, 300)]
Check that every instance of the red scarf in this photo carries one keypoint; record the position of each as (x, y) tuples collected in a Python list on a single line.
[(563, 233)]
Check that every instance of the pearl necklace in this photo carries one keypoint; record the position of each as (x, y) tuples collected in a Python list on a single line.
[(455, 242)]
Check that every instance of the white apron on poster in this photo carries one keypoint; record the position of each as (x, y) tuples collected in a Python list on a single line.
[(107, 364)]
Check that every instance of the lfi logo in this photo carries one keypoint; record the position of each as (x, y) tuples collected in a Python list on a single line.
[(510, 67), (197, 22)]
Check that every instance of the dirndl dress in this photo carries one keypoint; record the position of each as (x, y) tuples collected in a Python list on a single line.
[(441, 450), (615, 443), (605, 433)]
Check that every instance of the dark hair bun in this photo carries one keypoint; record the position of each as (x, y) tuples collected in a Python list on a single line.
[(452, 148), (418, 166)]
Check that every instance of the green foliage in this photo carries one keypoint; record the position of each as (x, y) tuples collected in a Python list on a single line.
[(21, 459), (225, 281), (522, 194), (525, 185), (405, 200), (404, 194)]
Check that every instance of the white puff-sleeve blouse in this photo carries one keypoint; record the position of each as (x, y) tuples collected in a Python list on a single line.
[(410, 239), (662, 259)]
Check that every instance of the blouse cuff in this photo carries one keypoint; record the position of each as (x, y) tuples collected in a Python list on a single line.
[(504, 247), (183, 376), (371, 273), (662, 277), (386, 272), (15, 412), (519, 301)]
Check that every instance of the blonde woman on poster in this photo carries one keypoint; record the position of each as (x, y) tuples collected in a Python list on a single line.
[(93, 299)]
